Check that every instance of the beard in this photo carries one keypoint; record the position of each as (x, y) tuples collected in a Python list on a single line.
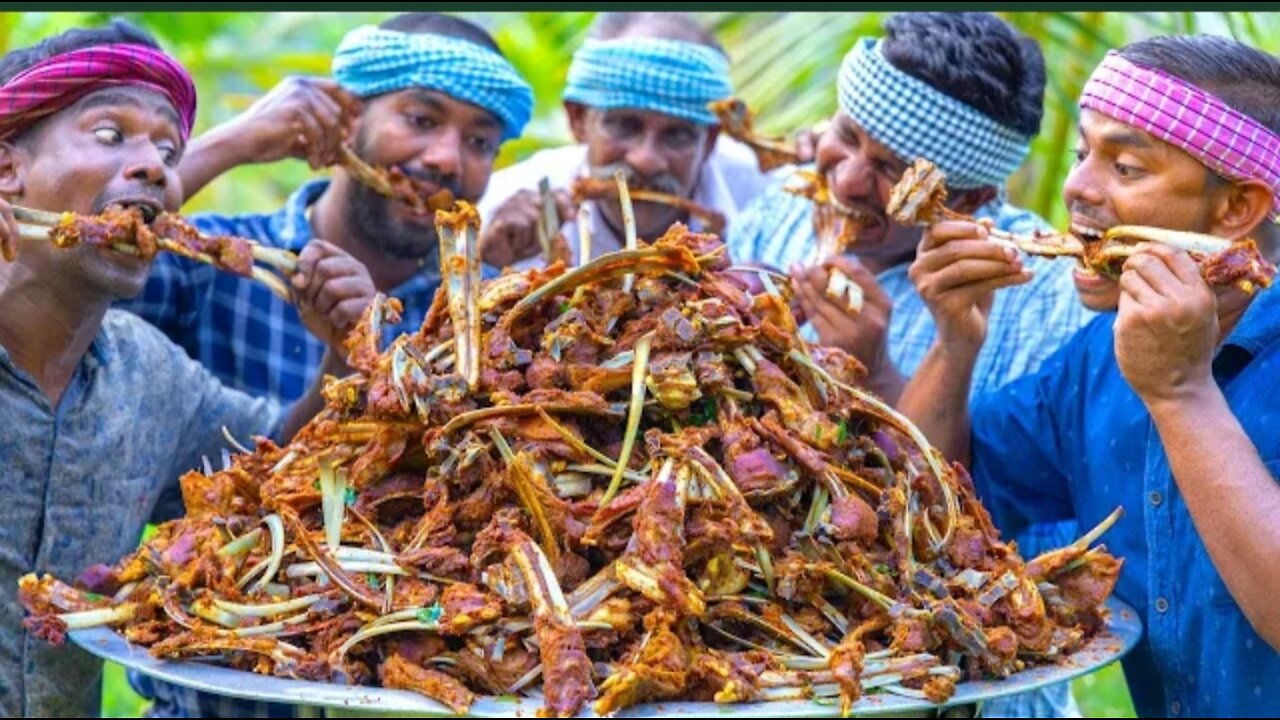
[(374, 218), (370, 214)]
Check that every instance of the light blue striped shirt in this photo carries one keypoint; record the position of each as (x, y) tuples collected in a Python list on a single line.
[(1027, 322)]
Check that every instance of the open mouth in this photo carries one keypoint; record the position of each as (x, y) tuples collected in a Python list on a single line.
[(1087, 233), (863, 217), (150, 209)]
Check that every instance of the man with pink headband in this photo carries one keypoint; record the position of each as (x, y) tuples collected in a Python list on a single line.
[(1164, 407), (100, 411)]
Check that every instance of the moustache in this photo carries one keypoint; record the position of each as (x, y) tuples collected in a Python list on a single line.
[(662, 182), (432, 177)]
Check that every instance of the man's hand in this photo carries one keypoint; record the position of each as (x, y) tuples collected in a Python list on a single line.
[(333, 291), (807, 141), (957, 271), (512, 234), (861, 333), (304, 118), (1167, 326)]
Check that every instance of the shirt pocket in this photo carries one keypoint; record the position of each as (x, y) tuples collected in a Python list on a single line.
[(121, 508)]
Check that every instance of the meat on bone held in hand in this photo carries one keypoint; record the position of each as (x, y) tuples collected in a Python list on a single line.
[(395, 183), (144, 230), (836, 228), (737, 121), (607, 189), (920, 198)]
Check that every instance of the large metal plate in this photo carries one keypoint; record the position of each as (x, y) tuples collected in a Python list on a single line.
[(1124, 631)]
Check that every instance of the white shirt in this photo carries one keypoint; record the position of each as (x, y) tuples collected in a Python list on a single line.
[(730, 179)]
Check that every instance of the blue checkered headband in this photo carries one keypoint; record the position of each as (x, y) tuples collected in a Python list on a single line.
[(671, 77), (915, 120), (372, 61)]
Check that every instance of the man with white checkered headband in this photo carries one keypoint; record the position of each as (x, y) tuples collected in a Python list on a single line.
[(964, 91), (1165, 407), (636, 98)]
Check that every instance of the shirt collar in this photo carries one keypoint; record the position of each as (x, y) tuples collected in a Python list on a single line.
[(1260, 325), (102, 350), (291, 220)]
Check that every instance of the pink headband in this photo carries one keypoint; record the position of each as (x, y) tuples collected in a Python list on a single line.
[(55, 83), (1181, 114)]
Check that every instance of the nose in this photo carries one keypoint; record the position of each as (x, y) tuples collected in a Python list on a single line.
[(444, 153), (854, 178), (646, 158), (147, 167), (1081, 186)]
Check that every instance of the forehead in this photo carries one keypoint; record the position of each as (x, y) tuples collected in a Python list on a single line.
[(465, 112), (1099, 129), (873, 146), (129, 98), (1103, 132), (649, 118)]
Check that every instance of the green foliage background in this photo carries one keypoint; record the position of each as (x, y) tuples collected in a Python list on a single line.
[(784, 65)]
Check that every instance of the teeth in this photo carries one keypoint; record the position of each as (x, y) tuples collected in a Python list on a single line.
[(846, 210), (1086, 232)]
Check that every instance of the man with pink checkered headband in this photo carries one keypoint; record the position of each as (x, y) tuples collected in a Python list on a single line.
[(1164, 407)]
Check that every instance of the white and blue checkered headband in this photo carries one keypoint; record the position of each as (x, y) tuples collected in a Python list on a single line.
[(915, 120), (671, 77), (372, 61)]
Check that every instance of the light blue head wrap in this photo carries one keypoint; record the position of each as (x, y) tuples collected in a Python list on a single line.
[(671, 77), (371, 61), (915, 120)]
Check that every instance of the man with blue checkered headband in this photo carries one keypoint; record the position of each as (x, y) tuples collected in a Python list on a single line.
[(636, 99), (966, 92), (426, 93)]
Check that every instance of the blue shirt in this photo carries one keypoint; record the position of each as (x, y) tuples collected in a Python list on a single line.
[(246, 336), (1027, 324), (80, 480), (1074, 441)]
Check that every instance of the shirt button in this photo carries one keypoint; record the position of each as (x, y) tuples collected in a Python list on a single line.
[(1155, 497), (1175, 708), (1162, 605)]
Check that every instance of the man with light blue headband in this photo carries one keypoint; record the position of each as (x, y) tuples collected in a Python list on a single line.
[(636, 100), (426, 93), (966, 92)]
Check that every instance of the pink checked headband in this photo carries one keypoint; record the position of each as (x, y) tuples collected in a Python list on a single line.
[(55, 83), (1225, 140)]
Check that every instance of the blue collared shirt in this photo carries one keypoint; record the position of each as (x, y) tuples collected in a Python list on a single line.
[(1074, 440), (247, 337), (1027, 323)]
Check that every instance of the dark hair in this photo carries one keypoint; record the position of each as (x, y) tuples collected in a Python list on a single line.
[(441, 24), (1242, 77), (119, 31), (974, 57), (669, 25)]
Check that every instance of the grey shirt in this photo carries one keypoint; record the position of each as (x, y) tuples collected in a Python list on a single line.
[(79, 482)]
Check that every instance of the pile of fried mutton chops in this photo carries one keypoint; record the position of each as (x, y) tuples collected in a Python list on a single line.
[(625, 482)]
